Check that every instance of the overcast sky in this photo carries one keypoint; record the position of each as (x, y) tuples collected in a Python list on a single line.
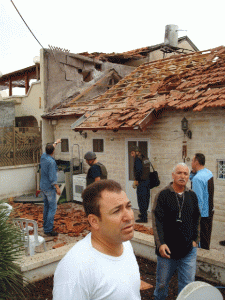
[(102, 26)]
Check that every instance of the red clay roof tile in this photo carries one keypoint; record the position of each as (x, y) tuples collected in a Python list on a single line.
[(193, 81)]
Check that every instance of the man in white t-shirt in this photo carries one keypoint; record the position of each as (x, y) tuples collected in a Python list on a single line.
[(102, 266)]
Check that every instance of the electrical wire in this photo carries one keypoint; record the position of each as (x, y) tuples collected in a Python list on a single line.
[(27, 25)]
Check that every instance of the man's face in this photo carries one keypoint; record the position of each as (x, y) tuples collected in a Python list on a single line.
[(194, 163), (90, 162), (181, 175), (132, 153), (117, 217)]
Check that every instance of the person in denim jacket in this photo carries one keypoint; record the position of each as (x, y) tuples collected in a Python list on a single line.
[(49, 187)]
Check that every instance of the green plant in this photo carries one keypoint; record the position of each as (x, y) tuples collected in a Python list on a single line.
[(11, 249)]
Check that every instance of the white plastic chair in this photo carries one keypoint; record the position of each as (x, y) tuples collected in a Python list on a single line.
[(7, 208), (30, 241)]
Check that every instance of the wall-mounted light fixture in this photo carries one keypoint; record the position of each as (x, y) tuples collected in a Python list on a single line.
[(83, 134), (184, 127)]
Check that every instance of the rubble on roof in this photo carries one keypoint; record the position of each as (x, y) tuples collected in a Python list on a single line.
[(82, 101), (136, 54), (188, 81)]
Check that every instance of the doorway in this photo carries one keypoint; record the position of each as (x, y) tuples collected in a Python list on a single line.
[(144, 146)]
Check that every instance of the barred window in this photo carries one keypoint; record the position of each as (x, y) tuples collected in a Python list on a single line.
[(98, 145), (221, 168)]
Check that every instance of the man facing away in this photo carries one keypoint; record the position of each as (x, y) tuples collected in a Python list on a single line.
[(203, 186), (96, 171), (141, 175), (49, 187), (102, 265), (175, 223)]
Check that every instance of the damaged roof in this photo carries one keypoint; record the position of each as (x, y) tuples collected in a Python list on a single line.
[(187, 81), (82, 103), (133, 54)]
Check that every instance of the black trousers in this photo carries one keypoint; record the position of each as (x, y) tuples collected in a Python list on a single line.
[(143, 197), (205, 232)]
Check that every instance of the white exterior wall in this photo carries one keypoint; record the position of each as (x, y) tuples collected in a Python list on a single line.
[(32, 103), (17, 180), (207, 137), (166, 140)]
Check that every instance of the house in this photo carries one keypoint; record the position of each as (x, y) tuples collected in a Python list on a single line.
[(53, 88), (147, 108)]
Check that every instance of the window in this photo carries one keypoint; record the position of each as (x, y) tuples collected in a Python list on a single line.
[(98, 145), (221, 168), (64, 145)]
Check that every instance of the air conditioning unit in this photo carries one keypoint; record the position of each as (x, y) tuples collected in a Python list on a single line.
[(79, 184)]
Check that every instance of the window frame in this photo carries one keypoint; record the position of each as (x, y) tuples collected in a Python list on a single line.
[(65, 152), (223, 174), (103, 145)]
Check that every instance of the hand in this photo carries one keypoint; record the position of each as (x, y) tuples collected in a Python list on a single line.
[(134, 185), (58, 141), (136, 182), (58, 192), (164, 251), (194, 244)]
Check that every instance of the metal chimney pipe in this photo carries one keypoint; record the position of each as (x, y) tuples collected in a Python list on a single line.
[(171, 35)]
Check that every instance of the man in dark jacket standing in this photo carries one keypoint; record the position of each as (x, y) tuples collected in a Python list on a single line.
[(97, 170), (175, 220), (142, 182)]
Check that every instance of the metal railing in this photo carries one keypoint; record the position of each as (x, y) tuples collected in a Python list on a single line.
[(19, 145)]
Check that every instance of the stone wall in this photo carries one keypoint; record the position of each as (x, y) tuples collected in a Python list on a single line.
[(166, 141), (7, 114), (64, 74)]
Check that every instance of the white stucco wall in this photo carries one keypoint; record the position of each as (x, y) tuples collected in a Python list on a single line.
[(17, 180), (31, 104), (166, 141)]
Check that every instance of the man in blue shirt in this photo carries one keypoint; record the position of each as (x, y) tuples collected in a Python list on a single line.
[(49, 187), (203, 186)]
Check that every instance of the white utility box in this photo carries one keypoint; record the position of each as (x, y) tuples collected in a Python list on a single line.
[(79, 184)]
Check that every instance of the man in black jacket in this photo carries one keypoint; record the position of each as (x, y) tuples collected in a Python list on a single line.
[(176, 230), (142, 182)]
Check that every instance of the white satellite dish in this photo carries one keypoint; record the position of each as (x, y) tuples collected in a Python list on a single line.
[(36, 59), (199, 290)]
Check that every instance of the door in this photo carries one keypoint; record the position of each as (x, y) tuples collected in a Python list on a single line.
[(143, 144)]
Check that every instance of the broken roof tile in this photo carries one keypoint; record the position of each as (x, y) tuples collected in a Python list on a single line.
[(175, 82)]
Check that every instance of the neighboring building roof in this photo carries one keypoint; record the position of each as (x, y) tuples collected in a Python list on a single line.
[(188, 81), (18, 78), (133, 54)]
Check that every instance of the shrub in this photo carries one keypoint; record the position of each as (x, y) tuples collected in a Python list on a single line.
[(11, 250)]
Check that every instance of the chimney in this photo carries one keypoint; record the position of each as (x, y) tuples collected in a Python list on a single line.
[(171, 35)]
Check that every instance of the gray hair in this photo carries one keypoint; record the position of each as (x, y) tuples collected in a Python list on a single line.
[(180, 164)]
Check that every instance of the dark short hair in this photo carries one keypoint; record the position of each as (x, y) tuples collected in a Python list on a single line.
[(49, 149), (92, 194), (200, 158)]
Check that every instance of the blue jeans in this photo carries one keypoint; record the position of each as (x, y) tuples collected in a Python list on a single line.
[(50, 206), (165, 269)]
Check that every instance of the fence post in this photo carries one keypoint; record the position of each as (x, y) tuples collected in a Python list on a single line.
[(14, 146)]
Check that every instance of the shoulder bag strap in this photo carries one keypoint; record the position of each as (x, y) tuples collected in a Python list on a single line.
[(152, 166)]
